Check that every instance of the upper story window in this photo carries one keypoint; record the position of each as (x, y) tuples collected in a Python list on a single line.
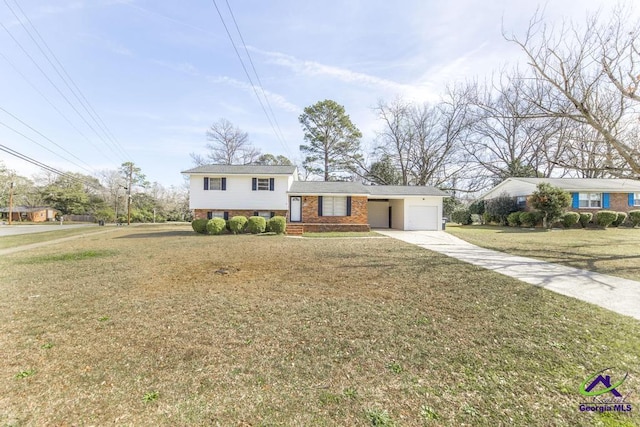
[(216, 184), (262, 184), (590, 200)]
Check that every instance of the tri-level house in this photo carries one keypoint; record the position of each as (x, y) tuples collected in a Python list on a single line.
[(257, 190)]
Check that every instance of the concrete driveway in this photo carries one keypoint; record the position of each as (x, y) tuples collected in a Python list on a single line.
[(613, 293), (15, 229)]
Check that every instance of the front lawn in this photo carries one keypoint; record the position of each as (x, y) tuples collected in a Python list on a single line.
[(614, 251), (162, 326)]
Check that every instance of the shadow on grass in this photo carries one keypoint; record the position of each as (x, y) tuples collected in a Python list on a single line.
[(158, 234)]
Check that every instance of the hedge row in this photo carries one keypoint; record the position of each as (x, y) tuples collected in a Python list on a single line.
[(240, 224), (603, 219)]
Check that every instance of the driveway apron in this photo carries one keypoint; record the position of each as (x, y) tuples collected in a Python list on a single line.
[(613, 293)]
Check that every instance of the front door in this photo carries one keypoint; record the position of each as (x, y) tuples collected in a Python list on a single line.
[(295, 211)]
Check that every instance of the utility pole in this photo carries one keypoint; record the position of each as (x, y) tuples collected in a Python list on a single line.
[(10, 201), (129, 194)]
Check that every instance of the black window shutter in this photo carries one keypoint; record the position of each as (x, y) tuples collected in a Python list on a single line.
[(272, 214), (272, 184), (226, 214), (224, 184), (206, 183), (209, 215), (348, 205), (254, 184), (255, 213), (319, 205)]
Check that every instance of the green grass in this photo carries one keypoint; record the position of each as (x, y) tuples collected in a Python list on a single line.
[(68, 256), (378, 332), (27, 239), (614, 251)]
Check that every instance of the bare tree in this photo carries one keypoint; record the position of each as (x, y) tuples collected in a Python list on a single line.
[(228, 146), (589, 74)]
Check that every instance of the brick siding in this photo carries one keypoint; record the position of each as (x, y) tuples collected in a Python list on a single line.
[(358, 212)]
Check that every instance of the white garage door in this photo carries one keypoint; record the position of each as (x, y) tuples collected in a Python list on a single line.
[(422, 218)]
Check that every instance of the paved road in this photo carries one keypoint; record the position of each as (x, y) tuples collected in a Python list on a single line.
[(15, 229), (613, 293)]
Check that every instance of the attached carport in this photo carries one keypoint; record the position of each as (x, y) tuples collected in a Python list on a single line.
[(405, 207)]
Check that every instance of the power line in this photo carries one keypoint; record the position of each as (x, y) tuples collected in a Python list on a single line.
[(43, 165), (266, 98), (47, 138), (82, 99), (56, 87), (246, 72)]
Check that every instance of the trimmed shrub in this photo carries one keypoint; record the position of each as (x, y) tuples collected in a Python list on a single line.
[(529, 219), (620, 219), (585, 218), (476, 219), (237, 224), (634, 217), (513, 219), (256, 225), (216, 226), (461, 216), (500, 207), (605, 218), (199, 225), (487, 218), (277, 224), (569, 219)]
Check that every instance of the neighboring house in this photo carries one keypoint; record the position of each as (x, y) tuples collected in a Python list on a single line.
[(587, 194), (225, 191), (25, 213)]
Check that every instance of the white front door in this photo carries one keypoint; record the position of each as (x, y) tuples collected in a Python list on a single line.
[(295, 211)]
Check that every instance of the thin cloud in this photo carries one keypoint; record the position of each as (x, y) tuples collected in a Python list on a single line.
[(274, 98)]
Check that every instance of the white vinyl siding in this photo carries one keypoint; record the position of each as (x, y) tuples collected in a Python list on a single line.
[(590, 200), (334, 206), (238, 195)]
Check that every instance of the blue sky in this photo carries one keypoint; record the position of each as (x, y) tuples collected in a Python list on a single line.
[(158, 73)]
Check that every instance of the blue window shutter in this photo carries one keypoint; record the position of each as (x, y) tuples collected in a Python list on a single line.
[(224, 184), (605, 200), (254, 184), (348, 205), (226, 215), (206, 183), (631, 200), (209, 215), (272, 184), (319, 205), (576, 200)]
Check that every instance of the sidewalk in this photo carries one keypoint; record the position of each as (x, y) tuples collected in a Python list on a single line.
[(613, 293)]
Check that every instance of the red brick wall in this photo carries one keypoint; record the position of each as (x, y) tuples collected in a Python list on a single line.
[(358, 212)]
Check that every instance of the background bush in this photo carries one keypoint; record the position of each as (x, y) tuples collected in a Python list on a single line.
[(461, 216), (513, 219), (476, 219), (620, 219), (237, 224), (256, 225), (585, 218), (605, 218), (216, 226), (278, 224), (500, 207), (529, 219), (199, 225), (569, 219), (634, 217)]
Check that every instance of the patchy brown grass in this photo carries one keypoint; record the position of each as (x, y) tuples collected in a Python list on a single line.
[(166, 327), (26, 239), (614, 251)]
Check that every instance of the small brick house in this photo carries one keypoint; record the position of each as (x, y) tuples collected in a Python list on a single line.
[(257, 190), (587, 194), (26, 213)]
